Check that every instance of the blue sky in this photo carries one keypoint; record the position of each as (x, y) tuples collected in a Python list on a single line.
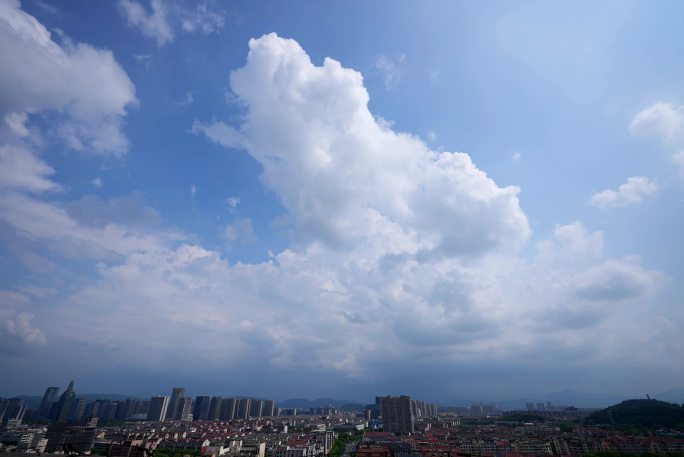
[(444, 199)]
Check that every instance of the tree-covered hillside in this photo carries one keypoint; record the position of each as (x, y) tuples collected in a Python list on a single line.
[(640, 413)]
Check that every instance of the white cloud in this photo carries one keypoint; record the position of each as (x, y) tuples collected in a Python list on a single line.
[(19, 325), (517, 156), (21, 170), (187, 99), (346, 178), (299, 311), (142, 58), (391, 69), (616, 280), (37, 291), (161, 19), (233, 202), (665, 121), (662, 120), (58, 230), (15, 323), (86, 86), (193, 190), (240, 230), (220, 133), (17, 123), (97, 182), (35, 262), (432, 136), (46, 7), (154, 24), (678, 159), (92, 211), (569, 244), (202, 20), (633, 191)]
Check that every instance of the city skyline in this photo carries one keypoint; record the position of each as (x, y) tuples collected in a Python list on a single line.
[(562, 399), (446, 200)]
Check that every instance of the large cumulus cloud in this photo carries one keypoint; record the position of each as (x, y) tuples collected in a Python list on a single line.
[(345, 177)]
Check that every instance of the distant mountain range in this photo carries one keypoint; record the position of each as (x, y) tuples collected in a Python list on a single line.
[(574, 398), (565, 397)]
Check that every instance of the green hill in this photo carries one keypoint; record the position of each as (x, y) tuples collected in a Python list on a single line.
[(640, 413)]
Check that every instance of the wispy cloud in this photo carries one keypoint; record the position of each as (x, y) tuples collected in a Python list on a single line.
[(391, 69), (153, 23), (161, 18)]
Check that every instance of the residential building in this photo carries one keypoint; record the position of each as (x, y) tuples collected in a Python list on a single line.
[(397, 415), (175, 406), (61, 410), (49, 398), (215, 408), (201, 410), (158, 408), (228, 409)]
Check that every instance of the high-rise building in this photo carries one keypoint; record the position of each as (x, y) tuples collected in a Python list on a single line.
[(378, 402), (175, 407), (49, 398), (214, 408), (108, 410), (397, 415), (243, 408), (372, 412), (142, 407), (186, 414), (268, 409), (228, 409), (158, 407), (255, 407), (325, 439), (61, 410), (12, 410), (126, 409), (77, 410), (92, 409), (201, 409)]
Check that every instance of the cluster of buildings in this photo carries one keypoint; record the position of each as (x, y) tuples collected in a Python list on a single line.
[(285, 436), (180, 407), (12, 411), (73, 421), (216, 426), (394, 426), (541, 406), (450, 435), (69, 408)]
